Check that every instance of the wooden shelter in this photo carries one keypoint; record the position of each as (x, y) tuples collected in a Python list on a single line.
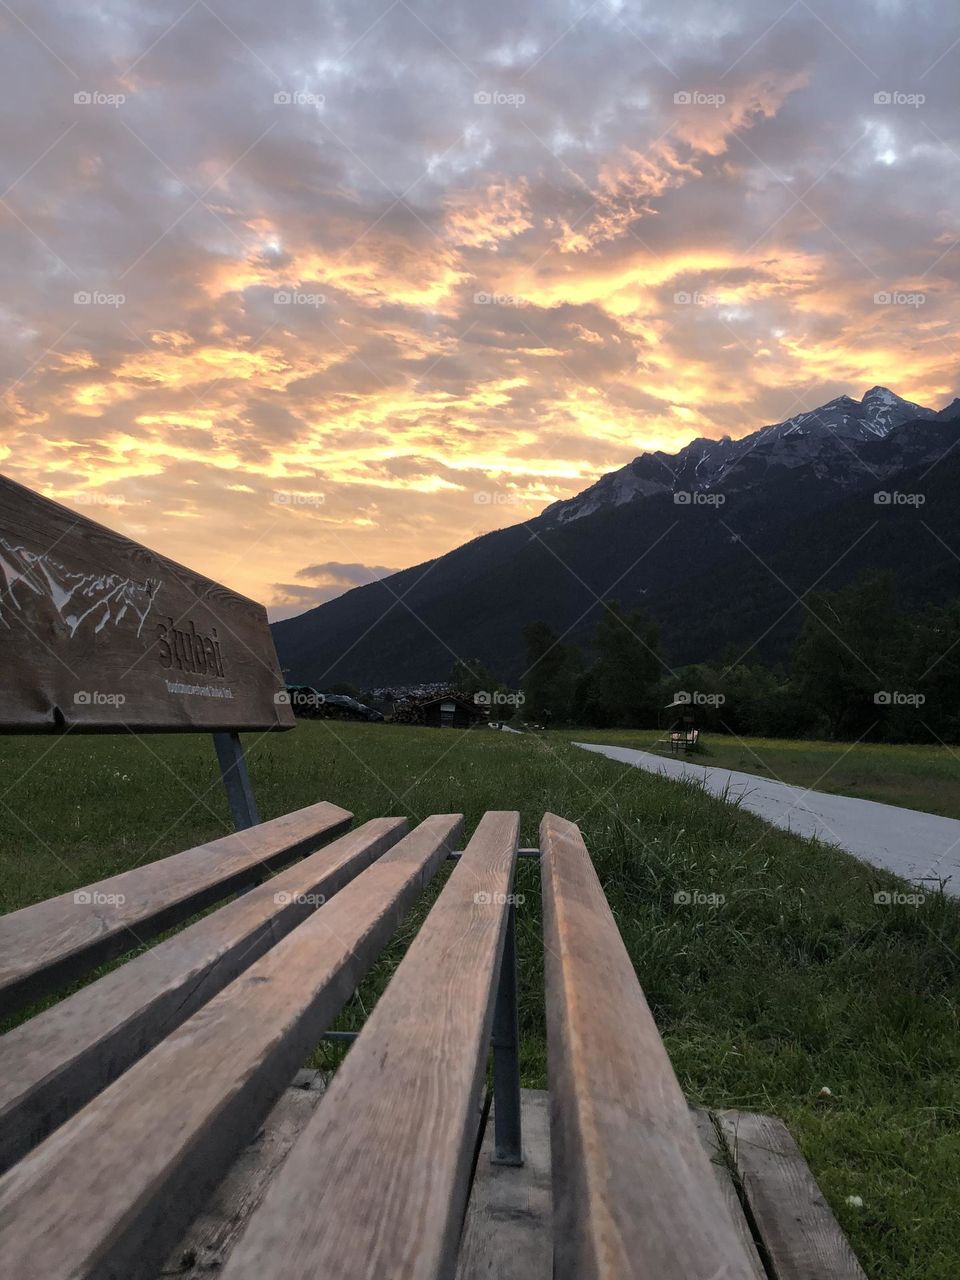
[(452, 711), (440, 711), (683, 733)]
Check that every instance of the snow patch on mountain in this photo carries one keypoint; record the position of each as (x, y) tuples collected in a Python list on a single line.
[(810, 438)]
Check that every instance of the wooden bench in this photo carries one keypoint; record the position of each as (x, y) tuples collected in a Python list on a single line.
[(144, 1124), (156, 1118)]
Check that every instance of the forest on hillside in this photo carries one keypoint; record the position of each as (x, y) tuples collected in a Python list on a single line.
[(861, 667)]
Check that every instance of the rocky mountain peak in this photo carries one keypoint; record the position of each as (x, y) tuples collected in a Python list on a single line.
[(825, 437)]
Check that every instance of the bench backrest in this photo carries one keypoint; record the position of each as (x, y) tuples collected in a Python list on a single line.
[(98, 633)]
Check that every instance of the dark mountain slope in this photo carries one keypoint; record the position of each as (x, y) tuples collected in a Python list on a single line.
[(713, 576)]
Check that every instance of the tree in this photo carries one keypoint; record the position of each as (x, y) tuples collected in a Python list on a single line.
[(551, 676), (470, 676), (848, 655), (626, 676)]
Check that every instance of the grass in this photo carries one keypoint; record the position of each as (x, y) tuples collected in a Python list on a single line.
[(918, 777), (794, 981)]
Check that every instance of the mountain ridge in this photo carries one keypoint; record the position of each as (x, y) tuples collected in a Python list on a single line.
[(705, 463), (712, 573)]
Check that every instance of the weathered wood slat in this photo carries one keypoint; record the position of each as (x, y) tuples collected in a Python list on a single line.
[(508, 1232), (633, 1191), (99, 633), (109, 1193), (47, 945), (717, 1154), (377, 1184), (55, 1063), (801, 1237), (211, 1236)]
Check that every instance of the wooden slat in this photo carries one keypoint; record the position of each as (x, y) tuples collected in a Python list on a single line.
[(212, 1235), (55, 1063), (47, 945), (801, 1237), (376, 1186), (717, 1154), (110, 1192), (99, 633), (633, 1191), (508, 1232)]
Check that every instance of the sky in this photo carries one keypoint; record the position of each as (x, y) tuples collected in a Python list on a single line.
[(299, 294)]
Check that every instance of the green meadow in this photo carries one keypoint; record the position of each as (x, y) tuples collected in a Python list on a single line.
[(771, 971)]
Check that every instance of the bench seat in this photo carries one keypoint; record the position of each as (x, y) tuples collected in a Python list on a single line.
[(508, 1229), (196, 1144)]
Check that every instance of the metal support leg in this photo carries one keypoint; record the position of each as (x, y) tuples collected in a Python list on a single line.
[(236, 780), (508, 1145)]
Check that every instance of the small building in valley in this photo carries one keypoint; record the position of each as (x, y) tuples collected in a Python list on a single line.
[(443, 711)]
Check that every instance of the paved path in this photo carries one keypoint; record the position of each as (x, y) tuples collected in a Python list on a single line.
[(917, 846)]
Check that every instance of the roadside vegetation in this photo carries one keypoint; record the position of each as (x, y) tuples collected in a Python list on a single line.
[(778, 981)]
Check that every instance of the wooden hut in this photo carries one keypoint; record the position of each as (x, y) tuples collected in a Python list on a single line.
[(452, 711), (683, 733)]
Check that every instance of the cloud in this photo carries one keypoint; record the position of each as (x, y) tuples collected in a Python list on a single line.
[(348, 575), (378, 262), (323, 582)]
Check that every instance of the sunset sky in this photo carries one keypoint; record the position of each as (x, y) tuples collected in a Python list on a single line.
[(299, 293)]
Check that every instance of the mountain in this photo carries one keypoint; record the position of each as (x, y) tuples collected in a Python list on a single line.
[(818, 437), (91, 600), (718, 543)]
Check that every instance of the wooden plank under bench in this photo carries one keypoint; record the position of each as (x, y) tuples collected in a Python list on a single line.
[(634, 1195), (801, 1237), (49, 944), (110, 1192), (508, 1234), (209, 1239), (55, 1063), (716, 1150), (376, 1186)]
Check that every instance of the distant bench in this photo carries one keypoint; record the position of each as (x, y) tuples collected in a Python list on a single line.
[(680, 740)]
